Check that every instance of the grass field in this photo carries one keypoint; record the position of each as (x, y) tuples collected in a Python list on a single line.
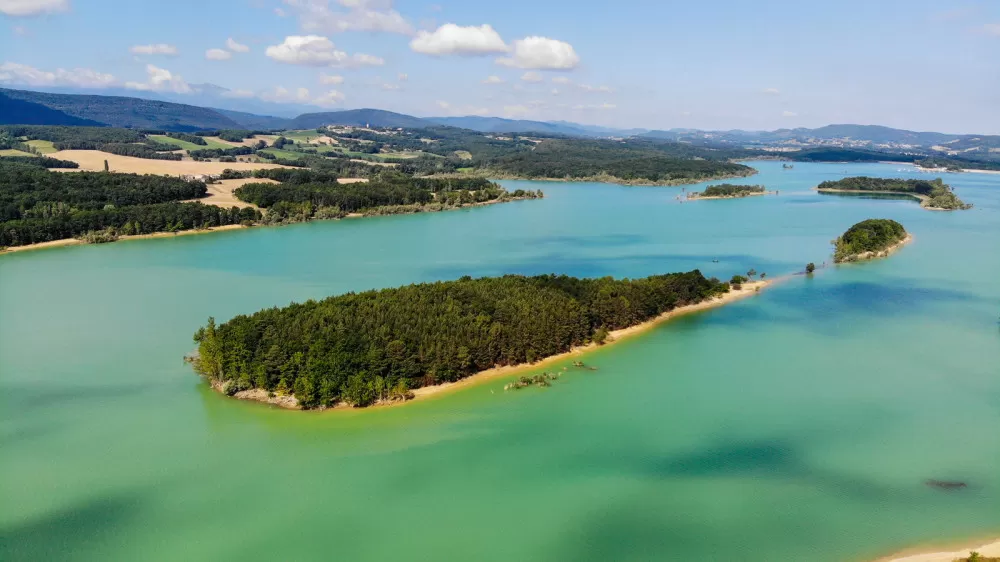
[(286, 154), (43, 146), (302, 136), (12, 152), (93, 160), (209, 143)]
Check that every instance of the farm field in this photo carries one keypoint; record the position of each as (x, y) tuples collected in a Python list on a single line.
[(93, 161)]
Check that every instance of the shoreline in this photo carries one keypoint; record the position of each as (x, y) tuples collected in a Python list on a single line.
[(64, 242), (743, 196), (946, 553), (600, 178), (288, 402), (866, 256), (918, 196)]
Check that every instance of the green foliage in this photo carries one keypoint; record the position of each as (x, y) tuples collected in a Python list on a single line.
[(730, 190), (872, 235), (193, 139), (810, 267), (937, 194), (41, 161), (37, 205), (359, 347)]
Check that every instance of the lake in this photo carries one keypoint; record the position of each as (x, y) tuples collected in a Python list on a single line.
[(799, 424)]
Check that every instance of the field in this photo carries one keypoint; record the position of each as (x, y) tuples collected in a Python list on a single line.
[(302, 136), (12, 152), (210, 143), (221, 192), (286, 154), (93, 160), (42, 146)]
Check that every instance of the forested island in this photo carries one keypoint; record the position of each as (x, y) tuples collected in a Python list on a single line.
[(362, 348), (933, 194), (728, 191), (869, 239)]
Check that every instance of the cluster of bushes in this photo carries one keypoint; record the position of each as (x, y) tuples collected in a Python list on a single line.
[(354, 347), (730, 190), (40, 161), (939, 194)]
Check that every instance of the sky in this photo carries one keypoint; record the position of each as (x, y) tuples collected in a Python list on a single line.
[(707, 64)]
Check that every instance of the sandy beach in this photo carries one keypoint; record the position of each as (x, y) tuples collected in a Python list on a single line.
[(864, 256), (947, 554), (77, 242)]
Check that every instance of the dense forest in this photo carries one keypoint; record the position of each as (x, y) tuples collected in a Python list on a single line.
[(307, 194), (37, 205), (934, 194), (867, 238), (366, 347), (729, 190)]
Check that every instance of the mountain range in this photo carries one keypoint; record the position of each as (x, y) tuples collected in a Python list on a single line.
[(25, 107)]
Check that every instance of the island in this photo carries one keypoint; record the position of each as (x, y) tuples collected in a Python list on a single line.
[(727, 191), (934, 195), (872, 238), (376, 347)]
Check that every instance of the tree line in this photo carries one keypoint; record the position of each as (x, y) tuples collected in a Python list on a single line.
[(730, 190), (375, 345), (872, 235), (939, 194)]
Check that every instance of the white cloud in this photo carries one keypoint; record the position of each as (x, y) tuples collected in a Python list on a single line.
[(443, 104), (531, 76), (493, 80), (451, 39), (555, 91), (157, 49), (462, 109), (160, 80), (20, 30), (360, 15), (771, 91), (992, 29), (789, 114), (331, 79), (403, 77), (601, 89), (601, 106), (32, 7), (329, 99), (279, 12), (560, 80), (15, 73), (541, 53), (515, 110), (389, 87), (314, 50), (218, 54), (236, 47), (238, 94), (282, 95)]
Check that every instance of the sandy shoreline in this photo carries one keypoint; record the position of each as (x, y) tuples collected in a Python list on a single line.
[(422, 393), (922, 198), (78, 242), (945, 554)]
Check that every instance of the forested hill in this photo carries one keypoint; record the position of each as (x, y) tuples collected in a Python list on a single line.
[(114, 111), (358, 118), (372, 346), (23, 112)]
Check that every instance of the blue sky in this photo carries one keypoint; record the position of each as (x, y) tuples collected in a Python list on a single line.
[(711, 64)]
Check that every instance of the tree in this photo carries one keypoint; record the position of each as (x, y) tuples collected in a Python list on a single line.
[(106, 166), (751, 273), (810, 267), (762, 276)]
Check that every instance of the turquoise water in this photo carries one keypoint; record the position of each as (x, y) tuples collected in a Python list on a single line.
[(798, 424)]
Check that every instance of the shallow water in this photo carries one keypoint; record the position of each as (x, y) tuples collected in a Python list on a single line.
[(798, 424)]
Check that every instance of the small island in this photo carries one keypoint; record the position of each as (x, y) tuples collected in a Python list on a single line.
[(872, 238), (727, 191), (934, 195), (375, 347)]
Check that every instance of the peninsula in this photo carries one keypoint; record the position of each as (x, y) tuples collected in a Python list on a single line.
[(868, 239), (727, 191), (934, 195), (375, 347)]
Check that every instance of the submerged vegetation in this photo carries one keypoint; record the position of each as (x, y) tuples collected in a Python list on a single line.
[(867, 239), (543, 380), (351, 348), (726, 190), (933, 194)]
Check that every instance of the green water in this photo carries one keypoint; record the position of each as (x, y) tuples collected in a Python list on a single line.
[(799, 424)]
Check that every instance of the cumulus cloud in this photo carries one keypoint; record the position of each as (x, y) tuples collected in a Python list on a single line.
[(771, 91), (20, 8), (282, 95), (160, 80), (531, 76), (218, 54), (20, 30), (600, 106), (600, 89), (515, 110), (239, 94), (236, 47), (462, 109), (329, 99), (157, 49), (314, 50), (560, 80), (451, 39), (493, 80), (789, 114), (331, 79), (14, 73), (541, 53), (356, 15)]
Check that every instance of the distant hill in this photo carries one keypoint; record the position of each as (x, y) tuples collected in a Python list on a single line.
[(253, 121), (500, 125), (358, 118), (19, 112), (872, 134), (125, 112)]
